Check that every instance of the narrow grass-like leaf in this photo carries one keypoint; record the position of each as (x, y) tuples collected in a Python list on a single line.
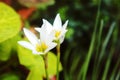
[(104, 45), (97, 50), (110, 55), (117, 76), (106, 41), (76, 59), (74, 64), (114, 70), (65, 58), (91, 48)]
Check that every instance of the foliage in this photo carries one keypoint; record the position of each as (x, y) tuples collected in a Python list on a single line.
[(36, 62), (88, 53), (10, 24)]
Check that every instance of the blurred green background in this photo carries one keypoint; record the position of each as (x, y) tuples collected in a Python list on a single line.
[(77, 49)]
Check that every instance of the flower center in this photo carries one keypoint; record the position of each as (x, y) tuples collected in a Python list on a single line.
[(44, 46), (41, 48), (57, 34)]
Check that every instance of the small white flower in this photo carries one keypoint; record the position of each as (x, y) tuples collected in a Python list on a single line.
[(57, 28), (38, 46)]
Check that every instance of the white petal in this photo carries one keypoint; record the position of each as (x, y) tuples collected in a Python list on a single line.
[(26, 44), (48, 25), (62, 39), (37, 53), (38, 29), (43, 33), (50, 46), (50, 37), (63, 32), (65, 25), (57, 22), (44, 27), (31, 37)]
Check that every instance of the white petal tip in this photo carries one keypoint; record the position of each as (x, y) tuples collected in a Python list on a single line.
[(44, 20), (67, 21), (37, 29), (24, 29), (19, 42), (58, 14)]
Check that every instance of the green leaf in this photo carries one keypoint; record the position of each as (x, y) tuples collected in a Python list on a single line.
[(9, 76), (35, 74), (9, 22), (5, 49), (52, 62), (37, 4), (7, 46), (31, 61), (25, 56), (45, 4)]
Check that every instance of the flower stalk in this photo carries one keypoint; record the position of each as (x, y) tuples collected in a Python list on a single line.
[(58, 59), (46, 66)]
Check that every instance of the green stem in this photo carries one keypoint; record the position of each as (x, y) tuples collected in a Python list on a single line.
[(115, 70), (104, 45), (94, 73), (107, 66), (58, 59), (46, 66), (92, 45)]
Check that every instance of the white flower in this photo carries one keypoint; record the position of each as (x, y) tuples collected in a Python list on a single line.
[(60, 30), (57, 28), (38, 46)]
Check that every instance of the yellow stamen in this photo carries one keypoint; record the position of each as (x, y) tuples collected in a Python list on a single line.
[(41, 48), (38, 48), (44, 46), (57, 34)]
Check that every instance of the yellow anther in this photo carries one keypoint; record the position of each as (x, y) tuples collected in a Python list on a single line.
[(44, 46), (41, 48), (38, 48), (57, 34)]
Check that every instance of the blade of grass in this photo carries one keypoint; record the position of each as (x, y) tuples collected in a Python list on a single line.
[(74, 65), (91, 48), (65, 60), (106, 41), (104, 45), (115, 70), (107, 65), (118, 76), (97, 50), (110, 55)]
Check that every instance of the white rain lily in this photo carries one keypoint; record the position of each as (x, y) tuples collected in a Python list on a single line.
[(38, 46), (57, 28)]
